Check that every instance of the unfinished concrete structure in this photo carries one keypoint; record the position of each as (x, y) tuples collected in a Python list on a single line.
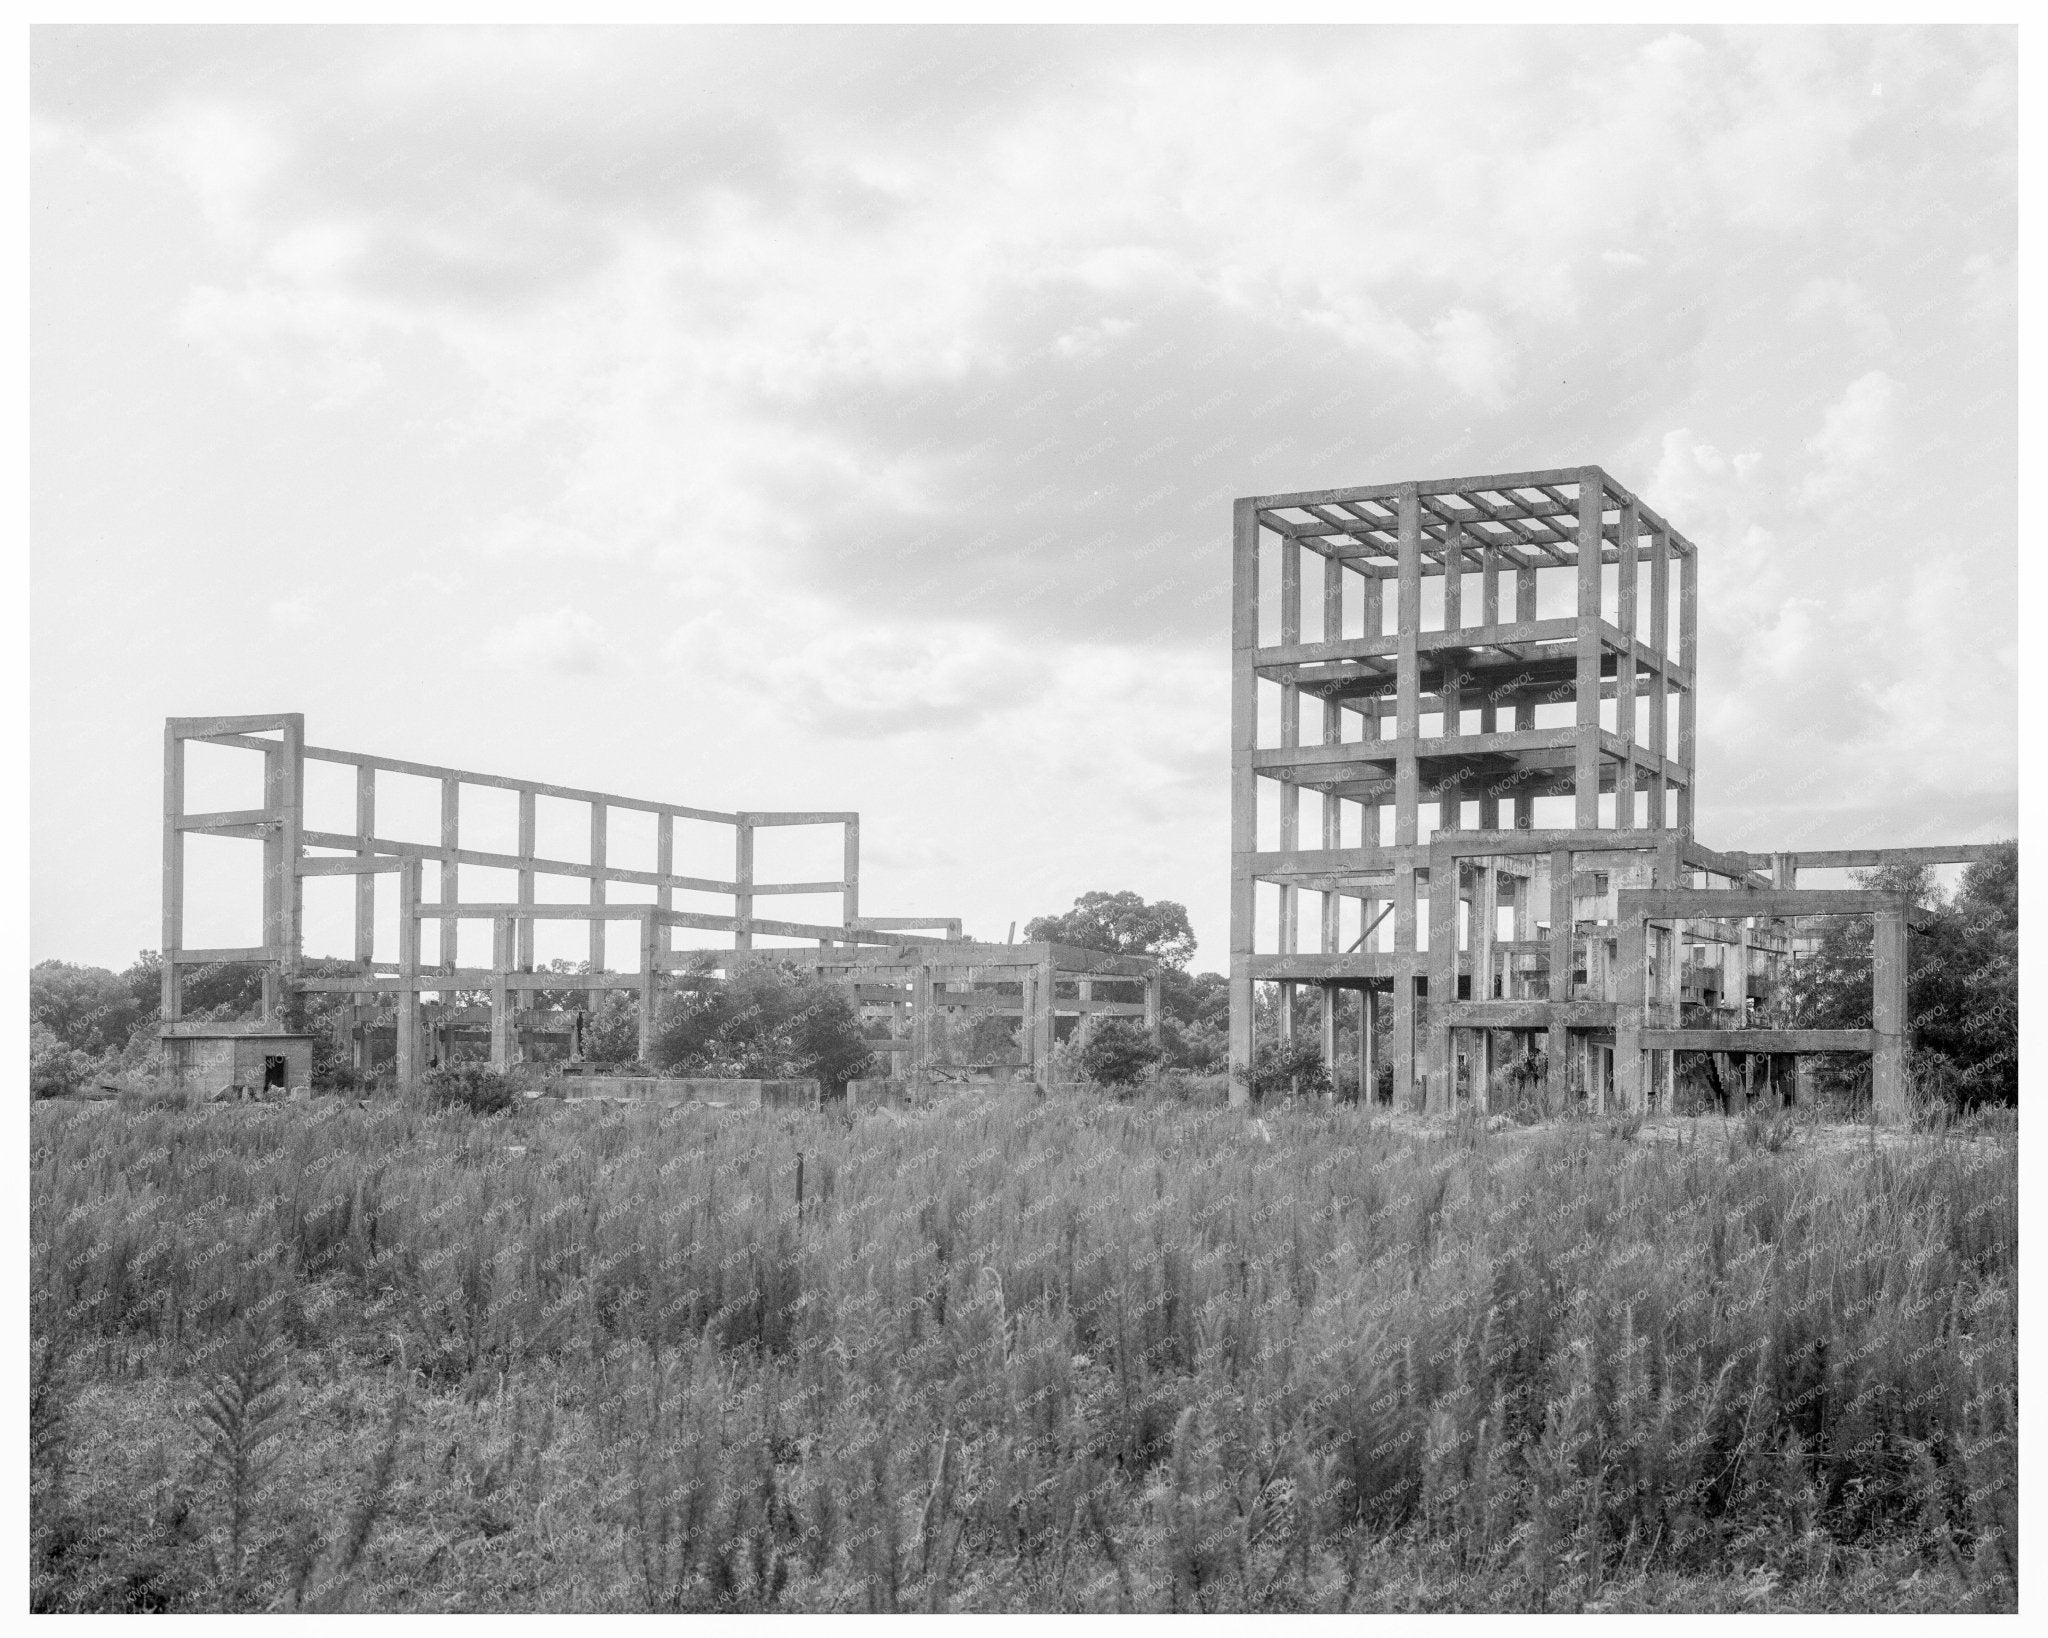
[(907, 969), (1501, 839)]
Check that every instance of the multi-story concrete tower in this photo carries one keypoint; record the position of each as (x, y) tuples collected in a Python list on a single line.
[(1492, 809), (1508, 657)]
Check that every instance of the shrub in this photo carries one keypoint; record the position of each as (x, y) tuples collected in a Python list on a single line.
[(1117, 1053), (767, 1022), (54, 1069), (1279, 1068), (475, 1087)]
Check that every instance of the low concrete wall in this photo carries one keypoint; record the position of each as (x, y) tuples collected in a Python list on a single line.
[(725, 1094)]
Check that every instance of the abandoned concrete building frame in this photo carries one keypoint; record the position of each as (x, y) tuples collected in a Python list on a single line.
[(1484, 650), (906, 971)]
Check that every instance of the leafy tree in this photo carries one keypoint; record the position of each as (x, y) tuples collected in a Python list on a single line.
[(1195, 1022), (478, 1088), (88, 1009), (1122, 924), (1278, 1067), (54, 1069), (1117, 1053), (1962, 981), (992, 1040), (768, 1021)]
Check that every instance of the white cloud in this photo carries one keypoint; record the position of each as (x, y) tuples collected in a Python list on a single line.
[(1860, 428), (564, 639), (1858, 310)]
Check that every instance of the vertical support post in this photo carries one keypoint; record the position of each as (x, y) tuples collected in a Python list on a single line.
[(600, 830), (1440, 1069), (1046, 1022), (1290, 792), (1085, 1025), (408, 996), (1558, 1043), (849, 897), (1888, 1001), (526, 876), (1660, 679), (665, 859), (1027, 1025), (651, 937), (1329, 1031), (1625, 674), (170, 984), (1525, 711), (1244, 789), (743, 882), (274, 866), (1368, 1025), (1489, 615), (451, 870), (1407, 784), (1155, 984), (366, 884), (502, 955), (920, 1021), (1742, 975), (1688, 640), (1586, 740), (1373, 626), (1630, 992), (1485, 913)]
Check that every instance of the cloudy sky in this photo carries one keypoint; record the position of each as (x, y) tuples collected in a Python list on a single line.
[(825, 418)]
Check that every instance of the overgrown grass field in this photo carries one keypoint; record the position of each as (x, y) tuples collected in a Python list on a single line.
[(1011, 1354)]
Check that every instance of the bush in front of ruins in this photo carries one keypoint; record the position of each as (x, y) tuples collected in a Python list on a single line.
[(1280, 1068), (54, 1069), (1117, 1053), (767, 1020), (476, 1087)]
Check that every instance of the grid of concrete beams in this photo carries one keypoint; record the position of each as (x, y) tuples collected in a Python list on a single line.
[(1412, 722)]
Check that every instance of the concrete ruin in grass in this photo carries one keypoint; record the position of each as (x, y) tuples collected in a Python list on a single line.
[(1609, 936), (906, 971)]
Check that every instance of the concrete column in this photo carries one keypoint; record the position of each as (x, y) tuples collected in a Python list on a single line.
[(1888, 1012), (170, 981), (1407, 787), (1439, 1069), (1525, 714), (1558, 1042), (1625, 673), (1086, 1026), (366, 884), (652, 937), (274, 867), (1048, 1011), (1485, 912), (849, 908), (1489, 614), (921, 1022), (1660, 679), (599, 833), (408, 996), (1329, 1032), (1154, 988), (451, 870), (1367, 1015), (526, 878), (502, 955), (1244, 788), (1586, 744), (1629, 1086), (1688, 614)]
